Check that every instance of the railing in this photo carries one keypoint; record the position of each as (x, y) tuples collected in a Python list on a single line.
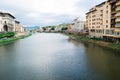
[(113, 12), (117, 20), (117, 25), (118, 14), (118, 9)]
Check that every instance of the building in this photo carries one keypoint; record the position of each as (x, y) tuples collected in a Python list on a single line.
[(58, 28), (7, 22), (41, 29), (117, 20), (18, 27), (78, 25), (85, 27), (70, 27), (98, 20), (115, 7), (48, 29)]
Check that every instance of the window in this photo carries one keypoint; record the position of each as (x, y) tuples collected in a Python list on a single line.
[(117, 33), (107, 6), (5, 22), (106, 11), (106, 21), (106, 26)]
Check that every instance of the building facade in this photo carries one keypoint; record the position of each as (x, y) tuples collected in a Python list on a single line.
[(117, 19), (70, 27), (18, 27), (7, 22), (98, 20), (78, 25)]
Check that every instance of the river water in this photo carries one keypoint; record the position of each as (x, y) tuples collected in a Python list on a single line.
[(50, 56)]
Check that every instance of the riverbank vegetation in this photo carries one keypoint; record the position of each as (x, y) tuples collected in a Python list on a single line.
[(7, 35), (95, 41), (7, 40)]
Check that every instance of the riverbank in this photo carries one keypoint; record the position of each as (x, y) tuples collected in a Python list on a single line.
[(9, 40), (95, 42)]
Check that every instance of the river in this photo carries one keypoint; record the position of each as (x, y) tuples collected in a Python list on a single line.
[(50, 56)]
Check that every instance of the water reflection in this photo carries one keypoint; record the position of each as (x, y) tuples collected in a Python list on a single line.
[(105, 63), (55, 57)]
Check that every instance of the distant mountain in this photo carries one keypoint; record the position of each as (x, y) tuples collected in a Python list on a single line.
[(31, 28)]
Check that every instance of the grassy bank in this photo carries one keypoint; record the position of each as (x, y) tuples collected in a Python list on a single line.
[(9, 40), (95, 42)]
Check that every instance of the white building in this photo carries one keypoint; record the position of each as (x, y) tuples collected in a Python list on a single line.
[(41, 29), (78, 25), (7, 22), (58, 28)]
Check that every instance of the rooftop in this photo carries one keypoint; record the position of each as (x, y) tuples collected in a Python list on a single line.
[(5, 13)]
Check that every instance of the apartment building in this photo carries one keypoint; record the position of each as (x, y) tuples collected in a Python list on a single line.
[(7, 22), (98, 20), (117, 20)]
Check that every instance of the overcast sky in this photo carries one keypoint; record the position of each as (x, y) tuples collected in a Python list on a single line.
[(47, 12)]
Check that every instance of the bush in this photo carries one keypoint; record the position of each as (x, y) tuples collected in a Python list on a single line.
[(8, 34)]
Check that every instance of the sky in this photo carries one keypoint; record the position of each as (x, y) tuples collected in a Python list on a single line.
[(47, 12)]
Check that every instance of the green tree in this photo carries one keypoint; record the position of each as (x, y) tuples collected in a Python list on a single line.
[(53, 28), (64, 28)]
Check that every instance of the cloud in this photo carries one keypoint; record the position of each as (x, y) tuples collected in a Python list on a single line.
[(47, 12)]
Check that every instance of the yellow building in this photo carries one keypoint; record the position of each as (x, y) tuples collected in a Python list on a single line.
[(18, 27), (117, 20), (98, 20)]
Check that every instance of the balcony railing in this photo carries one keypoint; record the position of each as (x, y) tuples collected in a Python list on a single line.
[(117, 25), (117, 30), (112, 17), (118, 14), (117, 20), (113, 12), (118, 9)]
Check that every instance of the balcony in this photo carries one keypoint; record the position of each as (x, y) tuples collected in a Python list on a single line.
[(113, 12), (117, 30), (117, 25), (112, 17), (117, 33), (118, 4), (118, 9), (117, 20), (117, 15)]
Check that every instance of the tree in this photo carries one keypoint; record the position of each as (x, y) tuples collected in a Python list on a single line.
[(53, 28), (44, 28), (64, 28)]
